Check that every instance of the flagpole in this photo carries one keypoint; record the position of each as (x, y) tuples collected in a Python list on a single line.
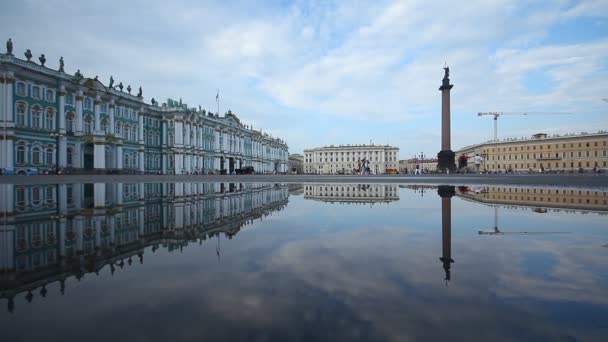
[(217, 99)]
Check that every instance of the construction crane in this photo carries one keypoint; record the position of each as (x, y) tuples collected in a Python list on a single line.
[(497, 114)]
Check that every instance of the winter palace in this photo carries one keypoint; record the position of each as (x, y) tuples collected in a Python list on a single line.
[(49, 119)]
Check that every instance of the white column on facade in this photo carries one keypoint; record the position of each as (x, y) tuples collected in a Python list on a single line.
[(141, 161), (97, 112), (164, 163), (61, 109), (112, 114), (179, 133), (78, 118), (99, 155), (119, 156), (164, 125), (140, 126)]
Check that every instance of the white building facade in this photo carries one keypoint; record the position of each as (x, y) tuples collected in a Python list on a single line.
[(350, 159), (51, 119)]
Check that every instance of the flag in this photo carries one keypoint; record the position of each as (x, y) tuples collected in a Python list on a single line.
[(217, 97)]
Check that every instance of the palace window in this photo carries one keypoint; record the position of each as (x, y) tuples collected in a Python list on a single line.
[(36, 92), (88, 104), (20, 90), (50, 119), (104, 126), (103, 108), (20, 114), (36, 158), (126, 160), (118, 129), (88, 124), (21, 153), (49, 156), (126, 132), (134, 133), (50, 95), (69, 156), (69, 122), (69, 99), (170, 139), (36, 114)]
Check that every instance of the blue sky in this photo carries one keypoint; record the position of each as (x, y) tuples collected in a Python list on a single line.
[(337, 72)]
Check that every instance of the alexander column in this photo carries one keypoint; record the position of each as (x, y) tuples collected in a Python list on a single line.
[(445, 157), (446, 192)]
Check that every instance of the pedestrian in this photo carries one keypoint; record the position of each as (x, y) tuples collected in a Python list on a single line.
[(417, 171), (477, 160)]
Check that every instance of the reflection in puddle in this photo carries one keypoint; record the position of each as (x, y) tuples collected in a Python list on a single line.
[(316, 262)]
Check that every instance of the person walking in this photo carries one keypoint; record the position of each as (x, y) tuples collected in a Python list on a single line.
[(417, 171), (477, 160)]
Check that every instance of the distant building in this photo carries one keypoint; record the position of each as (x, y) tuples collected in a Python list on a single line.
[(295, 164), (346, 158), (426, 165), (569, 152)]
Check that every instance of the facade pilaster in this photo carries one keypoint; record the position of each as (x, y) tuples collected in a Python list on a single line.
[(112, 108), (78, 118), (61, 110), (97, 112)]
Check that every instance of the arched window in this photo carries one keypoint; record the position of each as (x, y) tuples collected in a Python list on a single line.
[(118, 129), (21, 89), (88, 124), (170, 139), (50, 119), (88, 104), (69, 122), (134, 133), (21, 153), (69, 99), (69, 156), (36, 92), (20, 114), (49, 155), (36, 117), (126, 132), (134, 160), (50, 95), (126, 160), (104, 126), (36, 158)]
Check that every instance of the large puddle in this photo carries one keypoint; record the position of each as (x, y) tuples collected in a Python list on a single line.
[(277, 262)]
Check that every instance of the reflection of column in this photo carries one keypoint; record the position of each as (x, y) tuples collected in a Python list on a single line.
[(99, 155), (99, 194), (446, 192)]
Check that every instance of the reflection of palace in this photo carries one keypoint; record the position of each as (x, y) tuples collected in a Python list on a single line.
[(52, 232), (352, 193), (558, 199)]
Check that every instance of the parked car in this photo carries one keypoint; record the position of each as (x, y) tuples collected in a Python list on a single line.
[(30, 171)]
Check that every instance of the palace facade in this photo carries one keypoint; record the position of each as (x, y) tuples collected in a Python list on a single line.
[(52, 119), (571, 152), (352, 193), (53, 233), (346, 158)]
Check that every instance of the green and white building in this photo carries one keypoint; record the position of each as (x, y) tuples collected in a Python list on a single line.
[(50, 119)]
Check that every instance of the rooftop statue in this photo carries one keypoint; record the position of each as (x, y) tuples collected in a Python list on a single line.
[(42, 59), (78, 75), (9, 47), (129, 88), (111, 81), (120, 86), (139, 94), (61, 65), (28, 55), (96, 78), (153, 101)]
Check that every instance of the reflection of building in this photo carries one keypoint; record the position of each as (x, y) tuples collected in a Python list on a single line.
[(53, 232), (352, 193), (51, 118), (558, 199), (294, 163), (566, 152), (344, 158)]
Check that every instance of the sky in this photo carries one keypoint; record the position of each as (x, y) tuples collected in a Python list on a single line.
[(327, 72)]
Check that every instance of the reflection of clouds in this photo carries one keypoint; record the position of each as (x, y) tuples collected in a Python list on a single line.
[(373, 275)]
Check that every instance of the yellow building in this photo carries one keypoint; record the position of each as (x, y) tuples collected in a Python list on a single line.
[(586, 151)]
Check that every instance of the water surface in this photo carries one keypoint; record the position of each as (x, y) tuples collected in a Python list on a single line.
[(275, 262)]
